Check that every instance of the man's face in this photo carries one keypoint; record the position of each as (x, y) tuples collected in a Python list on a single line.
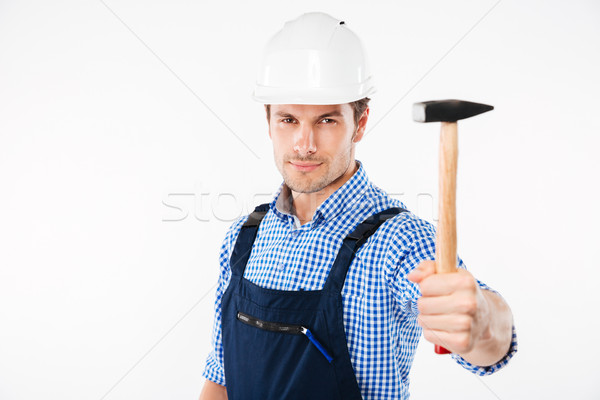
[(313, 145)]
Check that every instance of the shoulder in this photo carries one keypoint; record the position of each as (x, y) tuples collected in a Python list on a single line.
[(403, 234), (408, 235), (232, 233), (403, 228), (236, 226)]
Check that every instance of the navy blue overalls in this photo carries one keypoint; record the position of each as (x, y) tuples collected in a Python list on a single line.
[(289, 345)]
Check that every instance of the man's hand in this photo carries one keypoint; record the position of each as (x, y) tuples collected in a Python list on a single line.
[(457, 314), (213, 391)]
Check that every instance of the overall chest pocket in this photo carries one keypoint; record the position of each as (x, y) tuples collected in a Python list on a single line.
[(284, 328), (279, 355)]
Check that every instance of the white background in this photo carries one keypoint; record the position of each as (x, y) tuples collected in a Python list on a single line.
[(118, 125)]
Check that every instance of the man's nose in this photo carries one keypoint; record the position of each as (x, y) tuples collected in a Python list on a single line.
[(304, 140)]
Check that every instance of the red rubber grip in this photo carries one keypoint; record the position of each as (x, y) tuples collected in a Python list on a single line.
[(441, 350)]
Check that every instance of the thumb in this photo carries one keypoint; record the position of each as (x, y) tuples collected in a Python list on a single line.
[(422, 271)]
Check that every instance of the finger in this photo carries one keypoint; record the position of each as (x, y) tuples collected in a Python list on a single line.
[(453, 304), (448, 323), (423, 270), (447, 283), (455, 342)]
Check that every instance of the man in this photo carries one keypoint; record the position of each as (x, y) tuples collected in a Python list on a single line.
[(324, 292)]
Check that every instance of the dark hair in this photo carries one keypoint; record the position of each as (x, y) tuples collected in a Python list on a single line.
[(358, 106)]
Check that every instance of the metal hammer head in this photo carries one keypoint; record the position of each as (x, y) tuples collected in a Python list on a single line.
[(447, 110)]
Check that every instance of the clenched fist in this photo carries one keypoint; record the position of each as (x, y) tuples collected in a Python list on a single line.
[(457, 314)]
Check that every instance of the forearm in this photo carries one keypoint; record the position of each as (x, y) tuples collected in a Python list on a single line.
[(213, 391), (494, 343)]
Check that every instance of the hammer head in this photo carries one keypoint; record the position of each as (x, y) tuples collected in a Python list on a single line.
[(447, 110)]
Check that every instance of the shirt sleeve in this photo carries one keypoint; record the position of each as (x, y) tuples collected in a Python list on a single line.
[(213, 369), (415, 242)]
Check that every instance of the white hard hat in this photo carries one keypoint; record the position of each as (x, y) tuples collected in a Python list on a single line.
[(314, 59)]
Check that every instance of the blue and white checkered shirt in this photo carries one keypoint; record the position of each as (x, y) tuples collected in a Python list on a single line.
[(380, 304)]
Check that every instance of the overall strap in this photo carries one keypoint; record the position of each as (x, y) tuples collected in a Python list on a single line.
[(243, 245), (351, 244)]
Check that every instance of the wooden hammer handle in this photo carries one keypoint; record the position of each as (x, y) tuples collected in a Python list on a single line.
[(446, 230), (445, 247)]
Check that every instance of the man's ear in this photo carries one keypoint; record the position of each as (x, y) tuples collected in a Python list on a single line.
[(362, 126), (268, 116)]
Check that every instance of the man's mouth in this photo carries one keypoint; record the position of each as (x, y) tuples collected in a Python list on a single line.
[(304, 166)]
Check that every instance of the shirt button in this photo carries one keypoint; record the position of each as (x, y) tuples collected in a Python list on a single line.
[(281, 266), (295, 233)]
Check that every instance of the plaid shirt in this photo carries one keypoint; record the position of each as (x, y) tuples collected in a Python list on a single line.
[(380, 304)]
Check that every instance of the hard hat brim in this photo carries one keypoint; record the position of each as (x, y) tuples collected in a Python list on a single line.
[(316, 96)]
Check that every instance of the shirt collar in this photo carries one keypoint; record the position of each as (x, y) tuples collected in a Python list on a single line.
[(282, 205), (342, 199)]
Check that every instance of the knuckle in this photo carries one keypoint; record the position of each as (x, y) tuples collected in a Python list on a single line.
[(465, 323), (469, 305), (463, 341), (467, 282), (429, 335), (421, 305), (424, 287)]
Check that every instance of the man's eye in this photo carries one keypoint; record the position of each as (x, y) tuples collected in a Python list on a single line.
[(327, 120), (287, 120)]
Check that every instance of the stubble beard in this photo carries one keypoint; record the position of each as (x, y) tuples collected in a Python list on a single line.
[(302, 182)]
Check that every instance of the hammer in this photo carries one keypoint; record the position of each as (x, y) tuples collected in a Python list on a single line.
[(447, 112)]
